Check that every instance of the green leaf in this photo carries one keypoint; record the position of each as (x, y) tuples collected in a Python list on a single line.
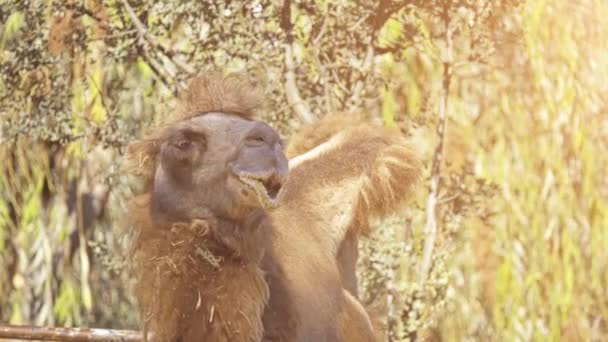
[(388, 108), (12, 25)]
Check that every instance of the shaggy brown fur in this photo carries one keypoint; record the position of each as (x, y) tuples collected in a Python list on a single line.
[(345, 172), (189, 277), (356, 172), (382, 161), (198, 270), (355, 323)]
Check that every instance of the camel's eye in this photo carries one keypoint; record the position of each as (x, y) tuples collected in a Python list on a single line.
[(184, 144), (187, 140), (255, 140)]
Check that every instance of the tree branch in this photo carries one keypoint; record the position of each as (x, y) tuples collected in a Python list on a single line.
[(143, 31), (366, 68), (321, 68), (291, 88), (155, 69), (430, 229)]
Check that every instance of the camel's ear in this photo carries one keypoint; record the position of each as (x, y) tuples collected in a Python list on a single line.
[(349, 172)]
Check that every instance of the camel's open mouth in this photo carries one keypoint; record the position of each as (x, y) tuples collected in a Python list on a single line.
[(267, 188)]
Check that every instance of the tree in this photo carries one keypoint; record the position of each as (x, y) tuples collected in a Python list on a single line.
[(465, 79)]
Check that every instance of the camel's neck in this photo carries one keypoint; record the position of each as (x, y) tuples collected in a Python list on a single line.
[(246, 241), (202, 280)]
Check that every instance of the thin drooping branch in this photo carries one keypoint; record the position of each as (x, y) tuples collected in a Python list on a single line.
[(390, 302), (292, 92), (145, 33), (384, 10), (31, 333), (430, 229), (155, 67), (320, 67), (291, 88), (366, 69)]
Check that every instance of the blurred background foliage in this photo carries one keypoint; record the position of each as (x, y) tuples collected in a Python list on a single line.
[(521, 248)]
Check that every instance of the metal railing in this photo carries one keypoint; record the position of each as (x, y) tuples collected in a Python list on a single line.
[(24, 332)]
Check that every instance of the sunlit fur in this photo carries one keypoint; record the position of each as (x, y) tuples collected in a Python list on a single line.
[(198, 280), (189, 289), (367, 170), (344, 172), (355, 323)]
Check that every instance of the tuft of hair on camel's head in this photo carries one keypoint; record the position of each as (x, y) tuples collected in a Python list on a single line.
[(211, 92), (209, 172)]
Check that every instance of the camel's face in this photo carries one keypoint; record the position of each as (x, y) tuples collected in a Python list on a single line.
[(225, 163)]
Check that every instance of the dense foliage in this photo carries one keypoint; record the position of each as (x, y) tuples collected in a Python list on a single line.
[(519, 251)]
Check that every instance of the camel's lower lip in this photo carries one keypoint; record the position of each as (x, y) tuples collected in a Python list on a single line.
[(267, 189)]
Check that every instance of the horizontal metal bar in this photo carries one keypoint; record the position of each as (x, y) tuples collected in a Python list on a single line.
[(25, 332)]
